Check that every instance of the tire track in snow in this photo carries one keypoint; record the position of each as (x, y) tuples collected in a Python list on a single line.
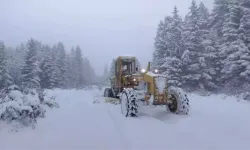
[(142, 114), (123, 140)]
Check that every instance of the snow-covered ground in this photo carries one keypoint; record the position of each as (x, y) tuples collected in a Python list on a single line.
[(214, 122)]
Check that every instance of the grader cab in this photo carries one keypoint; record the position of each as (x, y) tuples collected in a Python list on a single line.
[(134, 86), (126, 75)]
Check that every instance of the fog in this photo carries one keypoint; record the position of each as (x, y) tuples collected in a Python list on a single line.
[(103, 28)]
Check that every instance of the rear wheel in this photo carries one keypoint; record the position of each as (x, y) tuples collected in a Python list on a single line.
[(180, 101), (108, 92), (129, 102)]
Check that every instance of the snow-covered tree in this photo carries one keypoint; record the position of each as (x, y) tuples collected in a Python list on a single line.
[(78, 58), (39, 49), (173, 40), (72, 72), (176, 33), (23, 107), (16, 62), (54, 56), (218, 18), (160, 45), (208, 52), (30, 70), (244, 28), (193, 61), (232, 22), (234, 52), (36, 65), (61, 64), (244, 31), (69, 71), (88, 74), (106, 72), (5, 78), (48, 73)]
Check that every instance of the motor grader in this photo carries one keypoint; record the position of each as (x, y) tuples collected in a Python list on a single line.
[(134, 86)]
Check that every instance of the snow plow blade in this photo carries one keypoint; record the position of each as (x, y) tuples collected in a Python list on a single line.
[(112, 100)]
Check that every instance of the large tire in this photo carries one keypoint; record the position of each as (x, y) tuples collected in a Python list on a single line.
[(180, 101), (129, 102), (108, 92)]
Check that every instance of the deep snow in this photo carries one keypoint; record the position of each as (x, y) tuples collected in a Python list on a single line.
[(214, 122)]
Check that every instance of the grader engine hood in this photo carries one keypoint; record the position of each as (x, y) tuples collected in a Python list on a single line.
[(157, 87), (134, 77), (160, 83), (131, 80)]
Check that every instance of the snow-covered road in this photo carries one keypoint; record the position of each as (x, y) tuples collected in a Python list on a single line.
[(213, 123)]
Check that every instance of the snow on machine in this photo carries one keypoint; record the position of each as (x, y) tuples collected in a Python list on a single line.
[(134, 86)]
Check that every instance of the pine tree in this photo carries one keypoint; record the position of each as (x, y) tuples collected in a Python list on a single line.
[(105, 72), (232, 22), (36, 66), (244, 31), (88, 72), (192, 58), (173, 40), (234, 52), (69, 71), (208, 51), (16, 62), (30, 71), (160, 44), (54, 55), (48, 74), (39, 50), (244, 28), (176, 32), (5, 78), (61, 64), (72, 69), (218, 18), (79, 68)]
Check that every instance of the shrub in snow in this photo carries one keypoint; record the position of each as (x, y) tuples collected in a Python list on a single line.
[(245, 96), (24, 108), (49, 100), (96, 101), (19, 107)]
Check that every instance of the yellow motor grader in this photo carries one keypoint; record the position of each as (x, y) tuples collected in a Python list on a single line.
[(133, 86)]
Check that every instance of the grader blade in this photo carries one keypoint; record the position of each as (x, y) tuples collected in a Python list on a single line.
[(112, 100)]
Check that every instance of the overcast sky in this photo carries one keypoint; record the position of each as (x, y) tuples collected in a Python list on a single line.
[(103, 28)]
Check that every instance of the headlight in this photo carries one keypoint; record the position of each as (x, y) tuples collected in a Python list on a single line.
[(156, 71), (143, 70), (134, 79)]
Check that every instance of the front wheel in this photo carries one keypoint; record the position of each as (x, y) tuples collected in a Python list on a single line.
[(179, 101), (129, 102)]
